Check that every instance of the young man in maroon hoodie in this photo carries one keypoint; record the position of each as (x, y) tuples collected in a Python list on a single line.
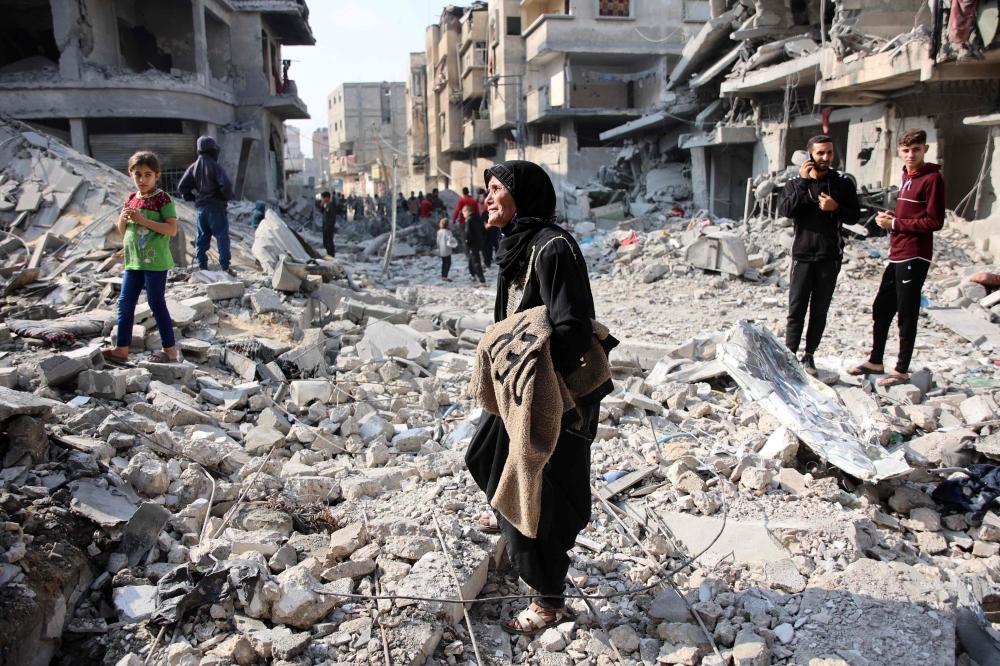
[(919, 213)]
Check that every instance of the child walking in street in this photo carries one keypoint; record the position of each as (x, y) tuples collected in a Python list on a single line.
[(207, 184), (919, 213), (148, 221), (446, 245)]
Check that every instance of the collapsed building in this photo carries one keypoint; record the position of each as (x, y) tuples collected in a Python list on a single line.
[(761, 77), (111, 78)]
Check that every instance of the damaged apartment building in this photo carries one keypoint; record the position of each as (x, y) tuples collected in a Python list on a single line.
[(367, 125), (114, 76), (538, 80), (762, 76)]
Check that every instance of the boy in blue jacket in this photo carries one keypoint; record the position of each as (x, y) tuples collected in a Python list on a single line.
[(207, 184)]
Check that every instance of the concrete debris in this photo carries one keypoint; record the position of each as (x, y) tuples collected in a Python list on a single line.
[(319, 422)]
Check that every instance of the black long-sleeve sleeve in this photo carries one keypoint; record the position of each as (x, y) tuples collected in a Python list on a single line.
[(564, 288), (795, 198), (848, 206)]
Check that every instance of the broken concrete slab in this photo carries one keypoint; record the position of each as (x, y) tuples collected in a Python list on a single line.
[(108, 507), (59, 370), (431, 577), (748, 541), (274, 240), (16, 403), (265, 301), (718, 251), (225, 290), (284, 279)]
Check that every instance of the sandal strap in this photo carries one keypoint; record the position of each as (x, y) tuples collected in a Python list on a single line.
[(528, 615)]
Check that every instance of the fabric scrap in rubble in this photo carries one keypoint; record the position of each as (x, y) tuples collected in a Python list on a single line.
[(766, 370), (974, 490)]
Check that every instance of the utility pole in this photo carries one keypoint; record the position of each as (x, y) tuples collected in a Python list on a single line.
[(395, 212)]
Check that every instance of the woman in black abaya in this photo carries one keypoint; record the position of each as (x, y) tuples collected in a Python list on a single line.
[(521, 203)]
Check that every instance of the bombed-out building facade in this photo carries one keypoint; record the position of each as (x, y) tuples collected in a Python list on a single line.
[(761, 77), (712, 98), (114, 76)]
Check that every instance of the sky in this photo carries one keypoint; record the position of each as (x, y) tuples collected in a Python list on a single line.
[(356, 40)]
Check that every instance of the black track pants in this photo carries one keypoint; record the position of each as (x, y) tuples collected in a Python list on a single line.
[(810, 290), (899, 294)]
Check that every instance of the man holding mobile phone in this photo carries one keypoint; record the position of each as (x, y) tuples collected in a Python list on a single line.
[(920, 207), (819, 202)]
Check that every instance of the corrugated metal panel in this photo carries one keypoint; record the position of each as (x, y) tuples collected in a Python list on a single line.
[(176, 151)]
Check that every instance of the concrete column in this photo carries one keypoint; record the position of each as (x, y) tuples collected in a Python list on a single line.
[(201, 42), (66, 29), (699, 177), (79, 136)]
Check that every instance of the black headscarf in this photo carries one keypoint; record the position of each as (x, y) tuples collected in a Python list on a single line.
[(535, 199)]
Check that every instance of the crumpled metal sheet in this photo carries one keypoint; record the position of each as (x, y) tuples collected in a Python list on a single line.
[(770, 374)]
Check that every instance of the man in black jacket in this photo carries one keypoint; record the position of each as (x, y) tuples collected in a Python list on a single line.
[(819, 201)]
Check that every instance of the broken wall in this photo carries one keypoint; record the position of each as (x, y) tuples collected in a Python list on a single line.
[(104, 22), (586, 89)]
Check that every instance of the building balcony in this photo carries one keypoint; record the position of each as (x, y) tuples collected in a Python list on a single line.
[(473, 83), (874, 78), (345, 166), (151, 95), (552, 34), (451, 136), (287, 106), (477, 133), (540, 109)]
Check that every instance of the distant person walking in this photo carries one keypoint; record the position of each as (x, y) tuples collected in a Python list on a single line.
[(207, 184), (413, 204), (475, 232), (446, 245), (819, 202)]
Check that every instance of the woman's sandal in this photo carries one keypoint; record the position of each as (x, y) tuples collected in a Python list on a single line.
[(492, 528), (109, 357), (535, 622), (893, 380), (160, 356)]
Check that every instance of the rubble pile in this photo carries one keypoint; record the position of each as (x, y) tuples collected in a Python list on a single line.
[(294, 491)]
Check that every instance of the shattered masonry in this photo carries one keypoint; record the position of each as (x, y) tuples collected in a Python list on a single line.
[(315, 430), (220, 510)]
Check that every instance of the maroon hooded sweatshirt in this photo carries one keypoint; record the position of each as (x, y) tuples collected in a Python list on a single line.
[(919, 213)]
